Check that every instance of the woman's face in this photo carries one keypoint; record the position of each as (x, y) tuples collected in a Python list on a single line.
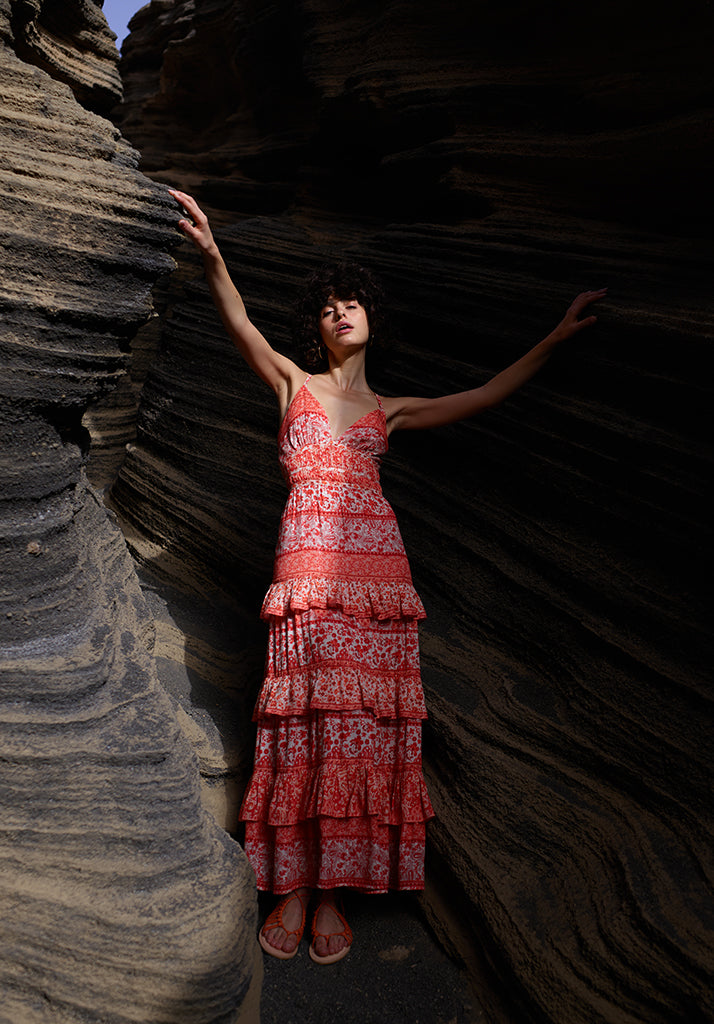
[(343, 324)]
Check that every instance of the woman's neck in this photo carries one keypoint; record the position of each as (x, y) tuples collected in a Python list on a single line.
[(347, 375)]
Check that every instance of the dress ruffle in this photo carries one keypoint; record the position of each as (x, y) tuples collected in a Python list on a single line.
[(338, 791), (328, 853), (342, 688), (363, 599)]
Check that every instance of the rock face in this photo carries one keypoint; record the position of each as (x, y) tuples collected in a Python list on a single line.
[(120, 898), (491, 164)]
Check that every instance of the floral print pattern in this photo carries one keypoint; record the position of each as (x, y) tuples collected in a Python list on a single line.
[(337, 796)]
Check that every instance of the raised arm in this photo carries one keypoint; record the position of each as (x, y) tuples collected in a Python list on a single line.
[(281, 373), (420, 413)]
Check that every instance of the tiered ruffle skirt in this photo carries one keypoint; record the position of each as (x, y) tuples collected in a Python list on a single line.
[(337, 797)]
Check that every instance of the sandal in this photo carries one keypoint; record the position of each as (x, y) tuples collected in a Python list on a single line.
[(275, 920), (331, 958)]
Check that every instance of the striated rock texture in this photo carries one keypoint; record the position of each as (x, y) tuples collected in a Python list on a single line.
[(490, 162), (120, 898)]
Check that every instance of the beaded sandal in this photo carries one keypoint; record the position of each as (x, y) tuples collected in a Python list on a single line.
[(275, 920), (331, 958)]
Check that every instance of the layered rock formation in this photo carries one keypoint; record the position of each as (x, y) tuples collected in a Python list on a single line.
[(490, 164), (120, 898)]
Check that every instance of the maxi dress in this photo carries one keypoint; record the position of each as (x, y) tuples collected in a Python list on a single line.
[(337, 797)]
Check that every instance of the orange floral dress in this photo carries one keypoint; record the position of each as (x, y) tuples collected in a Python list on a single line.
[(337, 796)]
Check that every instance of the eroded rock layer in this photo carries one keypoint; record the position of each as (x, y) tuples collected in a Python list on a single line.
[(490, 165), (120, 898)]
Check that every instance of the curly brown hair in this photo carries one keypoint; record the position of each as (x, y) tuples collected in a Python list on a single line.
[(341, 280)]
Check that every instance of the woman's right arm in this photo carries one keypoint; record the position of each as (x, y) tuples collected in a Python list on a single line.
[(279, 372)]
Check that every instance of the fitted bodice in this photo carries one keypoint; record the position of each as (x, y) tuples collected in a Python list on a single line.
[(339, 542), (309, 452)]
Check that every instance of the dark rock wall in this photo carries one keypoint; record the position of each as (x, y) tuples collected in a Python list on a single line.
[(491, 161), (120, 898)]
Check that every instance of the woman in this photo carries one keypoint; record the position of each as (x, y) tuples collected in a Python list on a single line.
[(337, 797)]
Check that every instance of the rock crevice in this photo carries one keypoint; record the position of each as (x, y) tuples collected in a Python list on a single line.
[(120, 898), (489, 164)]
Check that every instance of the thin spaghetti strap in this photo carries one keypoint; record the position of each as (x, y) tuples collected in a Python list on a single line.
[(379, 400), (285, 414)]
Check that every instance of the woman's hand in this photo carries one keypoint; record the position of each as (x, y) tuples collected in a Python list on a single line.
[(418, 413), (571, 324), (199, 232), (281, 373)]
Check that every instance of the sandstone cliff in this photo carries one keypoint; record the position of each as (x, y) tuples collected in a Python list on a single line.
[(120, 898), (490, 162)]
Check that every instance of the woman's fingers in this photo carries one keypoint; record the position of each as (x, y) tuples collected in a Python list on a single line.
[(184, 199), (198, 232), (190, 206), (571, 323), (585, 298)]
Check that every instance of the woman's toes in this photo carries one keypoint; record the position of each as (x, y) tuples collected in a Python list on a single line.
[(278, 938)]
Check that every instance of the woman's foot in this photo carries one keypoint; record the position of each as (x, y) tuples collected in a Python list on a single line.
[(283, 928), (331, 935)]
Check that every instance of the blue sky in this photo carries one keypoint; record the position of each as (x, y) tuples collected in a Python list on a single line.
[(118, 13)]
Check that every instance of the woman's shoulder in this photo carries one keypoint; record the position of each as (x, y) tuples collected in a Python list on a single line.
[(291, 384)]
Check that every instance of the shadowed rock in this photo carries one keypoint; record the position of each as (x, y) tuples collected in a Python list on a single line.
[(490, 164)]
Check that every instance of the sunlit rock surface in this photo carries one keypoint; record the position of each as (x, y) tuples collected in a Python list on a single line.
[(491, 162), (120, 898)]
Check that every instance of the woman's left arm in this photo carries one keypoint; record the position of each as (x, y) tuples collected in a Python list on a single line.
[(420, 413)]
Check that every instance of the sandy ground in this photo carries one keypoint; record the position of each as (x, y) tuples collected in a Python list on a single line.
[(395, 974)]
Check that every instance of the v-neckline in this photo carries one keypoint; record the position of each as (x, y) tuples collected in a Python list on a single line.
[(326, 418)]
